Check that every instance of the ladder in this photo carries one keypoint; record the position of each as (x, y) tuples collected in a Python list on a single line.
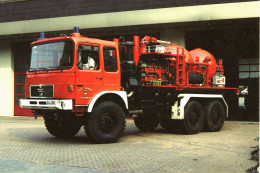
[(180, 67)]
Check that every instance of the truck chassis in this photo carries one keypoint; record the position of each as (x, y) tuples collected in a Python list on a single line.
[(141, 79)]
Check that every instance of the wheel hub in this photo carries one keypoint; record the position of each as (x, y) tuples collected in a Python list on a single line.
[(193, 117), (106, 122), (215, 116)]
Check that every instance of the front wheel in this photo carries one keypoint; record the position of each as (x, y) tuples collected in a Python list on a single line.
[(106, 123), (193, 117), (62, 125)]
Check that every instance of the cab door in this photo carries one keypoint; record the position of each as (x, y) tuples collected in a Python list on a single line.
[(89, 77), (111, 73)]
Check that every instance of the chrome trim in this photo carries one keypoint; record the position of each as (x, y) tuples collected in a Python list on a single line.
[(64, 104)]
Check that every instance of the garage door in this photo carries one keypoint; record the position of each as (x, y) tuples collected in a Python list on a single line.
[(21, 54)]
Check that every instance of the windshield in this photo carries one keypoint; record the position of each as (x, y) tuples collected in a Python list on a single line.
[(51, 56)]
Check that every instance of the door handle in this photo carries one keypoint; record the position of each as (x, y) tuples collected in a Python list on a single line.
[(99, 78)]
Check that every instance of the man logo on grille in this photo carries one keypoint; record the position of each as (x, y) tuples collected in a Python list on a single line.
[(40, 90)]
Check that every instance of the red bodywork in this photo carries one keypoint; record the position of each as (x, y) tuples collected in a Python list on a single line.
[(85, 83)]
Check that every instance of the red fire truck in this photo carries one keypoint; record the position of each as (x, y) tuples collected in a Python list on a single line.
[(76, 81)]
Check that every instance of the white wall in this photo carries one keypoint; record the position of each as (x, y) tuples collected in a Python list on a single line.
[(6, 80)]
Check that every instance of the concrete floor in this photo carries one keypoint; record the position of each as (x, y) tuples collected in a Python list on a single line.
[(26, 146)]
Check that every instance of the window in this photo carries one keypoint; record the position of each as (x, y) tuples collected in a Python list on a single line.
[(51, 56), (248, 68), (110, 59), (248, 76), (88, 58)]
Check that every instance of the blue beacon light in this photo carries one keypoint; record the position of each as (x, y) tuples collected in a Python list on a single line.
[(42, 35), (76, 29)]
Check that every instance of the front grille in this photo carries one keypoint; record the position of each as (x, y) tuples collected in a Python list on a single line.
[(41, 91)]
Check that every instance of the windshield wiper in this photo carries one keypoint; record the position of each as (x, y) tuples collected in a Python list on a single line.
[(32, 69), (38, 69), (65, 67), (50, 68), (59, 68)]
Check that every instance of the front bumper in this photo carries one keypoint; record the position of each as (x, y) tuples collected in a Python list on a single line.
[(66, 104)]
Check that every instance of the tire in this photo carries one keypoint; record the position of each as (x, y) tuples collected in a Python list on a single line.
[(193, 117), (169, 124), (106, 123), (214, 116), (65, 128), (165, 123), (87, 130), (148, 121)]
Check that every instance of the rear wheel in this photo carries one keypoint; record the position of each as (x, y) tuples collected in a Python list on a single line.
[(193, 117), (214, 116), (148, 121), (106, 123), (62, 125)]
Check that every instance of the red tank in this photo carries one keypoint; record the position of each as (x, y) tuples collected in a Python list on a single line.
[(203, 57)]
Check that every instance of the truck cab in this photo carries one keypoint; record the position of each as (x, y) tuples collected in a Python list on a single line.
[(68, 77), (68, 72)]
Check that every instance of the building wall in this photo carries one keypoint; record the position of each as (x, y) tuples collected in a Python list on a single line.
[(173, 36), (39, 9), (133, 18), (6, 80)]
